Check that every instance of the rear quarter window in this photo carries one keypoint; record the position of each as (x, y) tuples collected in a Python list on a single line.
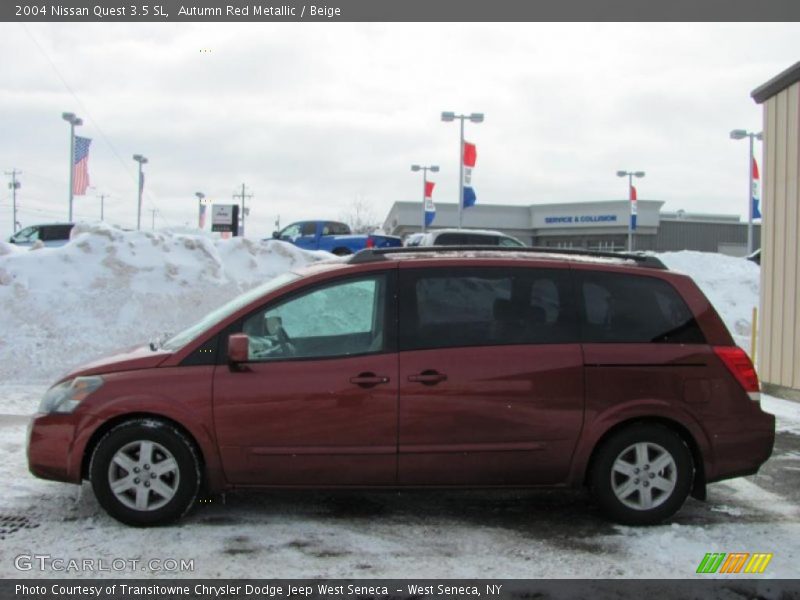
[(621, 308)]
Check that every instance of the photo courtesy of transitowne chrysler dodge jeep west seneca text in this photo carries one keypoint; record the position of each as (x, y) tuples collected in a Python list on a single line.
[(411, 367)]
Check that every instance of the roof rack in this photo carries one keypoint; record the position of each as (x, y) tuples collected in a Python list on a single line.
[(377, 254)]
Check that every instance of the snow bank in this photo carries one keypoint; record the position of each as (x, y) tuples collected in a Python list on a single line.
[(108, 288), (730, 283)]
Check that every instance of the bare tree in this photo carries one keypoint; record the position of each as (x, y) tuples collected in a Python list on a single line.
[(360, 216)]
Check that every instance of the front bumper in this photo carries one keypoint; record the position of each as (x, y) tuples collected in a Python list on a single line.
[(53, 451)]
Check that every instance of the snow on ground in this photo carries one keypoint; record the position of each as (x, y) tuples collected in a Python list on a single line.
[(529, 534), (109, 289)]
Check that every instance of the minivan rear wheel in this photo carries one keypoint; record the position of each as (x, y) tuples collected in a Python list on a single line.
[(145, 472), (642, 474)]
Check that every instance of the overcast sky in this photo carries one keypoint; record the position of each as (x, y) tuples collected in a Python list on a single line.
[(314, 116)]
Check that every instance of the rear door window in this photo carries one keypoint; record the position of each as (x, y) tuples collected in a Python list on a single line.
[(621, 308), (485, 307)]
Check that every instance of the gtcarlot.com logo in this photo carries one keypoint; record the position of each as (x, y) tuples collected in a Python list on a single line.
[(735, 562), (46, 562)]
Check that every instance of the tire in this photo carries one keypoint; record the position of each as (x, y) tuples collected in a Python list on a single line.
[(642, 474), (154, 467), (342, 252)]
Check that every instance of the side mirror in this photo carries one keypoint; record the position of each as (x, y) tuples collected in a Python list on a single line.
[(276, 235), (238, 348)]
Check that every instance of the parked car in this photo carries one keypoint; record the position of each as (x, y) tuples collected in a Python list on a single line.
[(50, 234), (332, 237), (481, 368), (463, 237)]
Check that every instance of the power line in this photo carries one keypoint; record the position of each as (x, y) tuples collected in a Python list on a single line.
[(124, 164)]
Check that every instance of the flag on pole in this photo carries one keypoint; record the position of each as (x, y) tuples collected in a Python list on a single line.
[(80, 166), (634, 209), (756, 193), (470, 156), (430, 209)]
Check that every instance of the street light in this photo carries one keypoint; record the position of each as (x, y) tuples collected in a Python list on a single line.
[(73, 123), (142, 161), (630, 175), (424, 169), (200, 196), (740, 134), (474, 118)]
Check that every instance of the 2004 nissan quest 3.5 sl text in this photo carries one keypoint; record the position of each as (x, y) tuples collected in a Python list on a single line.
[(422, 368)]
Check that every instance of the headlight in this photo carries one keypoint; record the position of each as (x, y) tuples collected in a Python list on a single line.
[(64, 397)]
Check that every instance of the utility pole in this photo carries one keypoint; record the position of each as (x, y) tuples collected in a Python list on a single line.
[(14, 186), (102, 197), (242, 196)]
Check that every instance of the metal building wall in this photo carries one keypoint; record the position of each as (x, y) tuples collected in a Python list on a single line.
[(705, 237), (779, 342)]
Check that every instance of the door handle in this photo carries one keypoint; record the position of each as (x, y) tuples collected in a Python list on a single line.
[(428, 377), (367, 380)]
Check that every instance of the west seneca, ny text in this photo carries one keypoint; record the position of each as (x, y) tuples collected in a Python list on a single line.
[(350, 590)]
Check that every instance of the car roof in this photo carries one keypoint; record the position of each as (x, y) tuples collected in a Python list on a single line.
[(372, 255)]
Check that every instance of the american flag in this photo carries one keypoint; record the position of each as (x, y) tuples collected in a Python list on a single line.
[(80, 167)]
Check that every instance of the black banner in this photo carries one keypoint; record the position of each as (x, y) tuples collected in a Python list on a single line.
[(444, 589), (32, 11)]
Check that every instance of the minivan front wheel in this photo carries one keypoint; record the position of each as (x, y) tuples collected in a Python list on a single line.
[(642, 474), (145, 472)]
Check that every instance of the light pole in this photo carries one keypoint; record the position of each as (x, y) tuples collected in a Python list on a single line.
[(738, 134), (424, 169), (14, 185), (142, 161), (630, 175), (200, 196), (475, 118), (73, 122)]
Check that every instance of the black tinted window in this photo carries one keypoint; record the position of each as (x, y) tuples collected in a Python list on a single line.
[(484, 307), (332, 228), (466, 239), (634, 309)]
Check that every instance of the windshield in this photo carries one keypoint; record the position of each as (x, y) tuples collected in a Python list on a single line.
[(187, 335)]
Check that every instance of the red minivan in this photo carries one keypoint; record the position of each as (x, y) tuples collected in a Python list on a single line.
[(436, 367)]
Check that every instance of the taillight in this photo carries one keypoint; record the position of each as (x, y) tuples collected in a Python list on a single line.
[(741, 367), (370, 242)]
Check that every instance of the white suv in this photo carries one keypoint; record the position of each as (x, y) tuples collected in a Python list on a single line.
[(463, 237)]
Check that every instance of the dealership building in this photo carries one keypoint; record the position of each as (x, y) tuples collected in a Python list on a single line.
[(597, 225)]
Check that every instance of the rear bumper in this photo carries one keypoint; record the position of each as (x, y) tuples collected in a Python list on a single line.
[(742, 451)]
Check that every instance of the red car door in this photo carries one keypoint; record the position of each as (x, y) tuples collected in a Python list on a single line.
[(317, 402), (491, 376)]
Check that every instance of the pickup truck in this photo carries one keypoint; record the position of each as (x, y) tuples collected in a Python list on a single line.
[(333, 237)]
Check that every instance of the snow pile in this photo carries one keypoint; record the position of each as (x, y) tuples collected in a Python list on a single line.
[(730, 283), (108, 289)]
